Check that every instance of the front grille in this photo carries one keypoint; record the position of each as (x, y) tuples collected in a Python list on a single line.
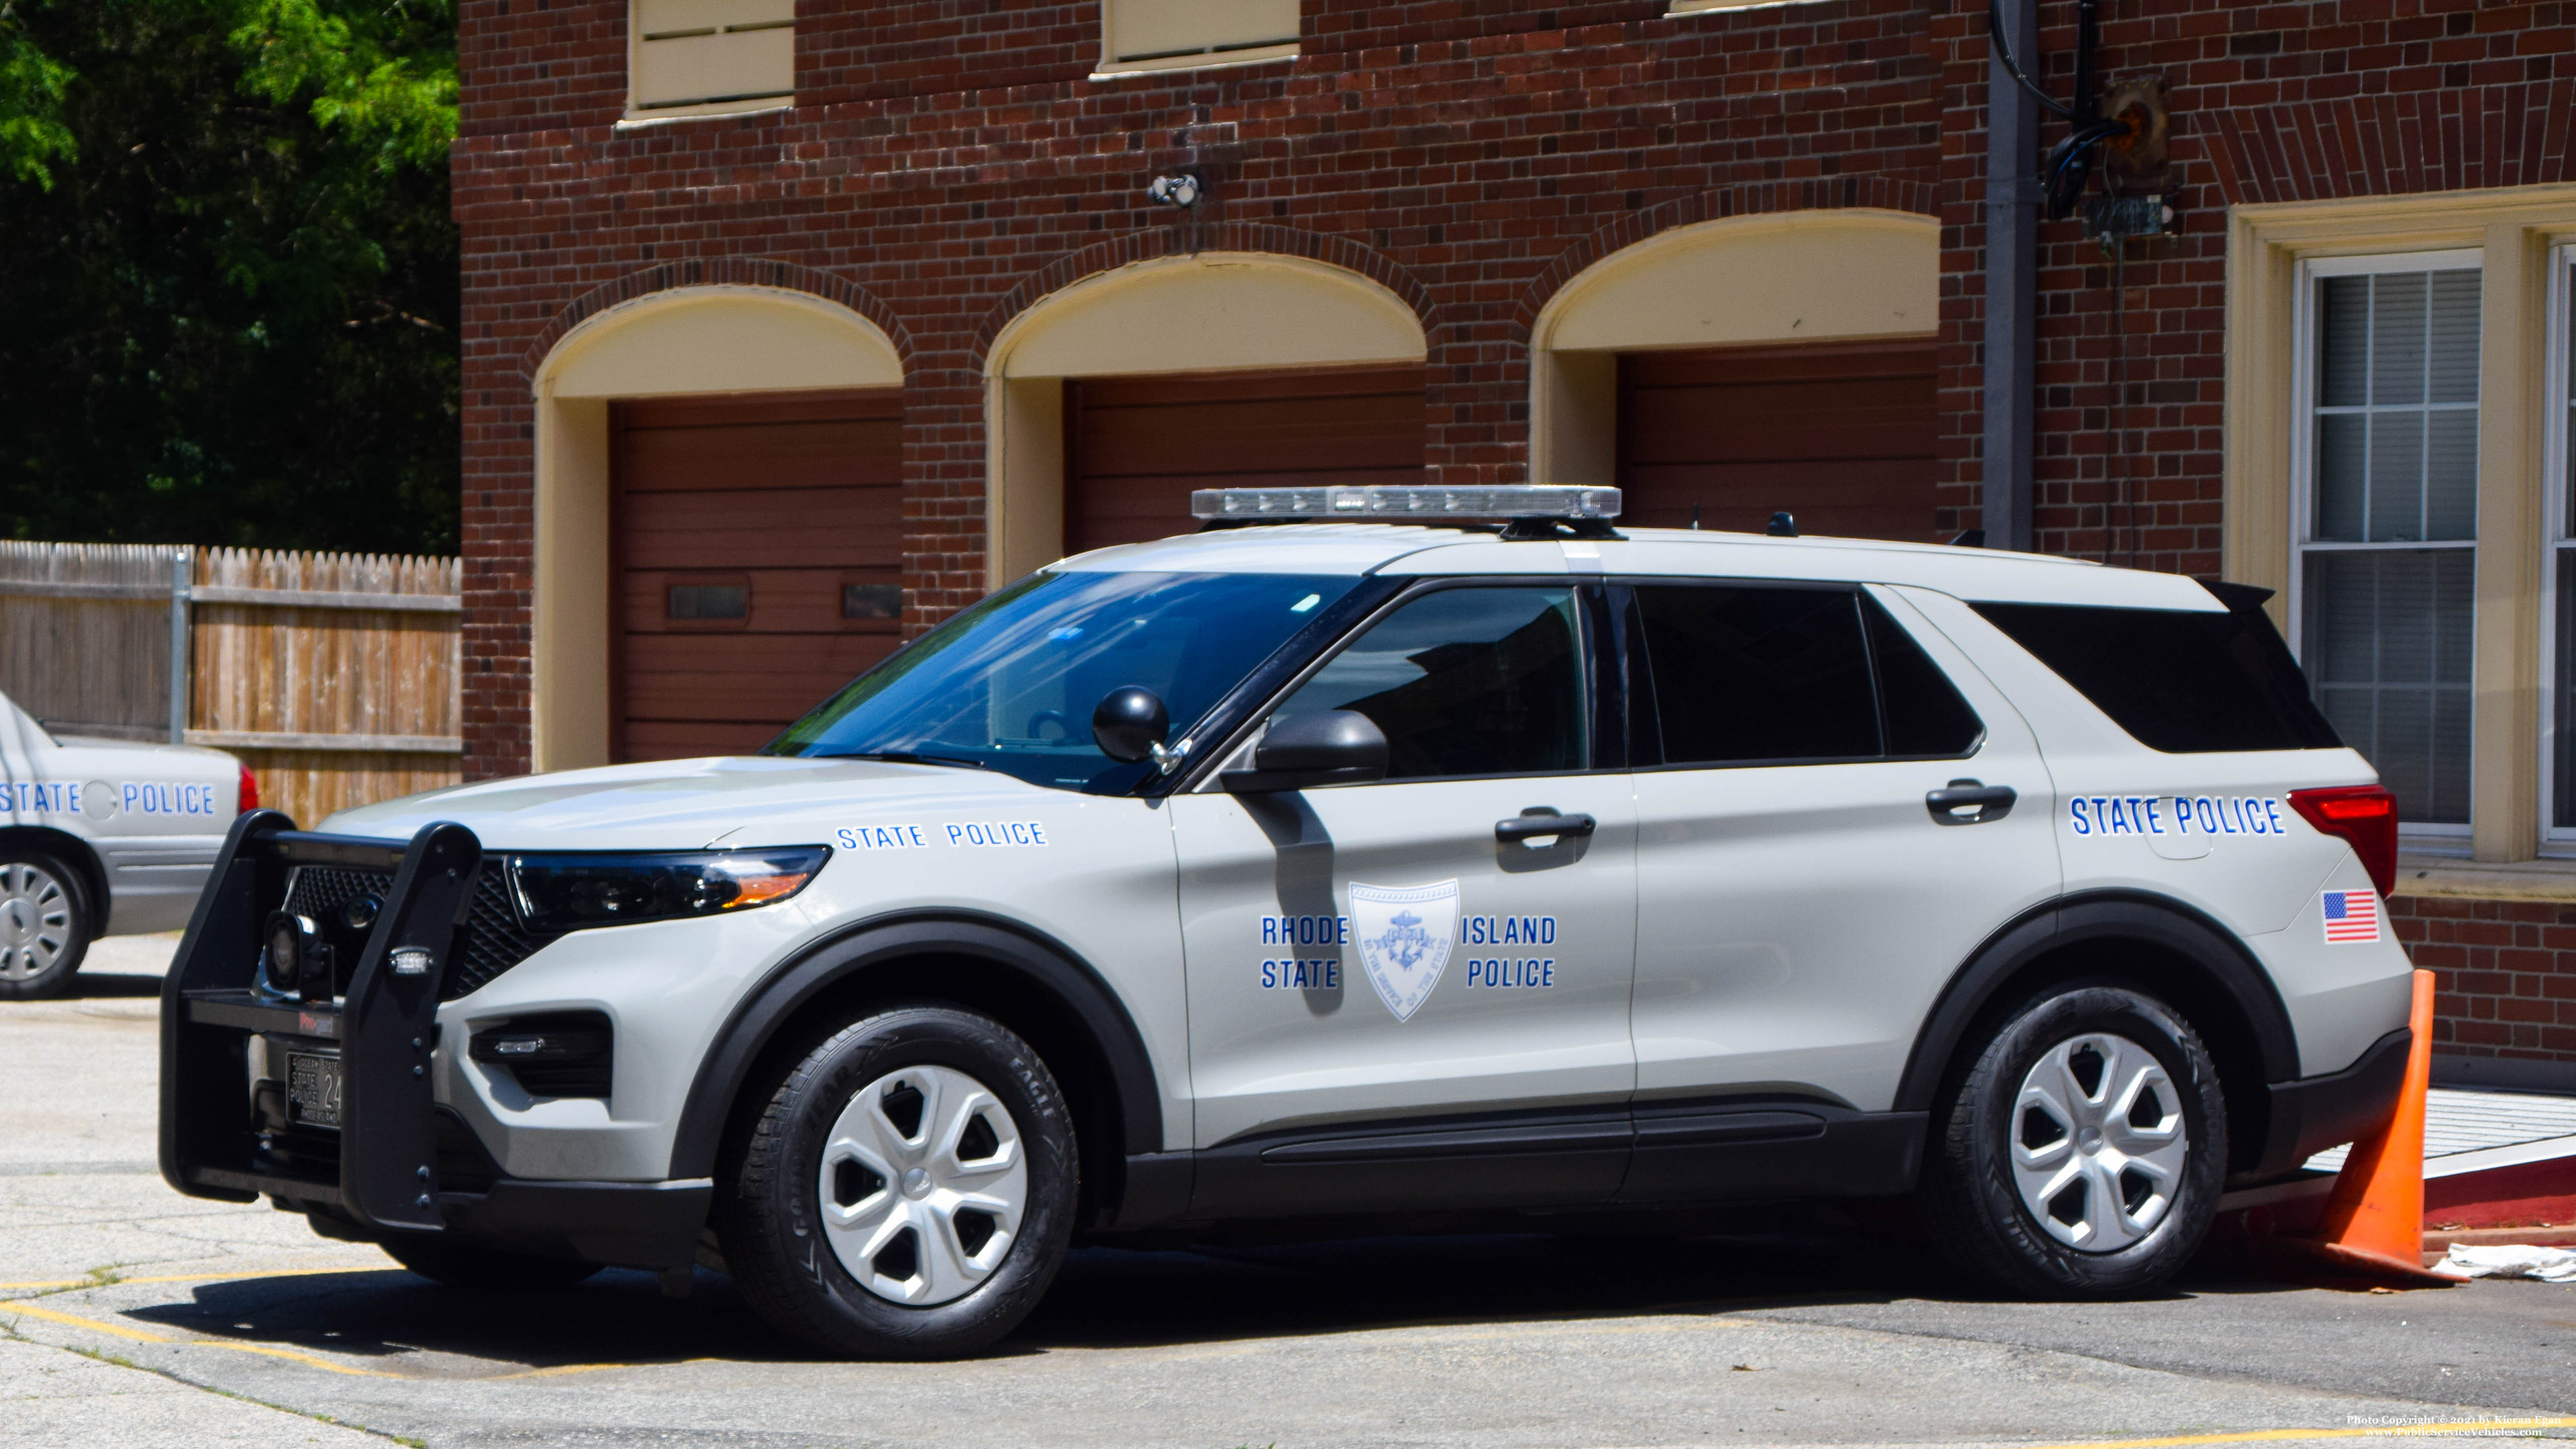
[(494, 939), (491, 943)]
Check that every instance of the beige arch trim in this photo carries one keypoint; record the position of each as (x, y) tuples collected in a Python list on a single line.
[(677, 343), (719, 339), (1211, 312), (1838, 274)]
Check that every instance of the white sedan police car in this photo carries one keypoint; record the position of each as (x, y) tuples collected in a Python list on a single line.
[(1405, 871), (101, 837)]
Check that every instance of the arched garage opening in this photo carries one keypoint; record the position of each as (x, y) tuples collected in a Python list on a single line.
[(1110, 400), (719, 521), (1724, 371)]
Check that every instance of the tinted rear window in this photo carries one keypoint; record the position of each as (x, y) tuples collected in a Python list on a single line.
[(2180, 682)]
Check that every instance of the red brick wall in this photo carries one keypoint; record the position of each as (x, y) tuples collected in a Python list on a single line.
[(2505, 973), (949, 162)]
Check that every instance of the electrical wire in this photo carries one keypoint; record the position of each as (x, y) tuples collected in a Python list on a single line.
[(2117, 416), (2003, 53)]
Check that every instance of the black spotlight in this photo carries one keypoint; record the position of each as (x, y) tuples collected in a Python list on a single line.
[(294, 959)]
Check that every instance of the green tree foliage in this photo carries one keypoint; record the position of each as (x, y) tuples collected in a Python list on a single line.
[(228, 278)]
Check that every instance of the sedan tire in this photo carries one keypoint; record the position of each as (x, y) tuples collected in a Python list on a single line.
[(45, 925)]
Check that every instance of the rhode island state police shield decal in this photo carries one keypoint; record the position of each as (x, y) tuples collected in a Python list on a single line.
[(1404, 934)]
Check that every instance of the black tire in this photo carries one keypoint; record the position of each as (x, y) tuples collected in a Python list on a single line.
[(45, 925), (1973, 1202), (769, 1213), (472, 1269)]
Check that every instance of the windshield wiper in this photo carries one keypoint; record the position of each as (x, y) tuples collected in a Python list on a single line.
[(901, 757)]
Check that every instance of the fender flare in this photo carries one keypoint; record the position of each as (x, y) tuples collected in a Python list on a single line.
[(2136, 916), (1044, 965), (77, 853)]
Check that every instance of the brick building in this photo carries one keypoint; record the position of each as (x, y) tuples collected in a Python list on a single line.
[(794, 325)]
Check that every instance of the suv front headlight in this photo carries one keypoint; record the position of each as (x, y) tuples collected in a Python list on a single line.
[(570, 892)]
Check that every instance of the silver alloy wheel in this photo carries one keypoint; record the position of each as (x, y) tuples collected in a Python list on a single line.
[(35, 921), (2098, 1143), (924, 1185)]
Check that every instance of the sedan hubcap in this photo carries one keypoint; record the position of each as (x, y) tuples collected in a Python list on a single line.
[(35, 921), (2098, 1143), (924, 1184)]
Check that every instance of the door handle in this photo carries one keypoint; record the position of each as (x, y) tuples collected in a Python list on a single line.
[(1534, 824), (1969, 802)]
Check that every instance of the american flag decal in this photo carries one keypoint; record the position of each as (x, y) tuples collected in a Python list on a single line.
[(2352, 916)]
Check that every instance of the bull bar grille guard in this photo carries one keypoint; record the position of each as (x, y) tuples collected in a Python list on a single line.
[(383, 1028)]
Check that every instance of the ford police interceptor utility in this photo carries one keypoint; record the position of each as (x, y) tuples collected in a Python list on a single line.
[(101, 837), (1403, 867)]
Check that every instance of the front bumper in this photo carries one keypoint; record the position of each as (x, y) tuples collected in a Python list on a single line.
[(399, 1164)]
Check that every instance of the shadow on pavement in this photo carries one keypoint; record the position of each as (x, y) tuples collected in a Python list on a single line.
[(86, 985), (1122, 1298)]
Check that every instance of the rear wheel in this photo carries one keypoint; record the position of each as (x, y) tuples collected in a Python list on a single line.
[(44, 926), (2082, 1153), (486, 1270), (906, 1191)]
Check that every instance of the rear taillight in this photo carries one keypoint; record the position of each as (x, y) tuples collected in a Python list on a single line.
[(249, 798), (2366, 815)]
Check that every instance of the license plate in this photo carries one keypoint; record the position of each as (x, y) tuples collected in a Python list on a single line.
[(313, 1090)]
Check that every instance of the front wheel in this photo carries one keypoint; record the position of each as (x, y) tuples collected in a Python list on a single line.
[(906, 1190), (2083, 1152), (44, 927)]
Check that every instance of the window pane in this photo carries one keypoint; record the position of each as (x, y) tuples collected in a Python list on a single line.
[(2343, 492), (2180, 681), (2563, 707), (1156, 29), (2397, 338), (2451, 474), (2388, 637), (2397, 476), (1925, 715), (1758, 674), (1465, 682), (2452, 338), (2343, 340)]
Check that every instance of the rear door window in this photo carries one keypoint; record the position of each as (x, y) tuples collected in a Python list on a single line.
[(2179, 681), (1763, 674)]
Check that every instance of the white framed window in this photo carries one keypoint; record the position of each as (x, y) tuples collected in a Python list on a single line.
[(2384, 575), (709, 57), (1141, 35), (2558, 715)]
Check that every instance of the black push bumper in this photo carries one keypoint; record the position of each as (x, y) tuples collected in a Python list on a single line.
[(225, 1133)]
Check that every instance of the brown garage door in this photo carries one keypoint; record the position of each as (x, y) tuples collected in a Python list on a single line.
[(758, 555), (1840, 436), (1136, 446)]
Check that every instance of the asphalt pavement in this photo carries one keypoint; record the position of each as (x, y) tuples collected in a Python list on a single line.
[(134, 1316)]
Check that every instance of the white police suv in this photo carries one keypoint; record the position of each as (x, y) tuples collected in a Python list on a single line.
[(1403, 868), (101, 837)]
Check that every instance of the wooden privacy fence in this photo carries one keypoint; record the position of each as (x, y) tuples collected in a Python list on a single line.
[(333, 676)]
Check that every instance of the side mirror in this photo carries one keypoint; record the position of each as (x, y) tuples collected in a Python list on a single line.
[(1335, 747), (1130, 724)]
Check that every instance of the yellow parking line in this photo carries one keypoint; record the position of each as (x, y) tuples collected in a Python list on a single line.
[(2375, 1431), (562, 1369), (52, 1315), (93, 1325), (302, 1358)]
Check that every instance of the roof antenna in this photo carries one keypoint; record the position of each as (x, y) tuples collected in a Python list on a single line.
[(1694, 518), (1781, 526)]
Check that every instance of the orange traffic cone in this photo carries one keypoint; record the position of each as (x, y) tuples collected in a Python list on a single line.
[(2374, 1224)]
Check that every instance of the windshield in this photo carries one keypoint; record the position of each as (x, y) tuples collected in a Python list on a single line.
[(1011, 683)]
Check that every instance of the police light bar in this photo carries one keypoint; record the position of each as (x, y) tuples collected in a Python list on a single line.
[(1525, 500)]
